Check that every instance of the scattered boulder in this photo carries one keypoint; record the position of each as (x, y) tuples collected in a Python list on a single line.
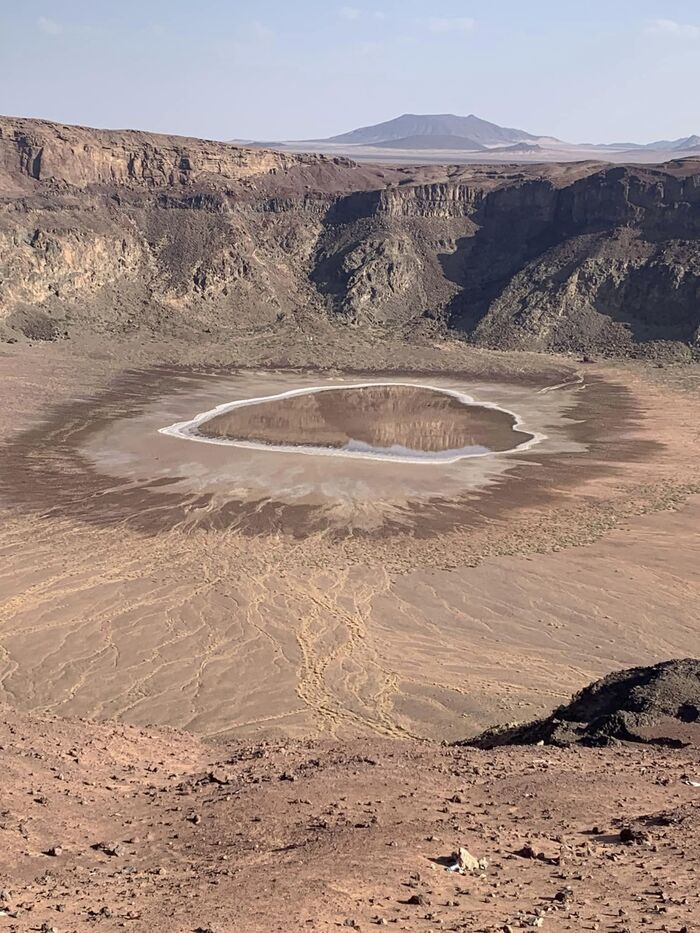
[(466, 863), (109, 848), (629, 834), (219, 776), (528, 851), (419, 900)]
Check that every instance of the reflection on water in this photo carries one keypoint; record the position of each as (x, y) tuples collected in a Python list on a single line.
[(391, 420)]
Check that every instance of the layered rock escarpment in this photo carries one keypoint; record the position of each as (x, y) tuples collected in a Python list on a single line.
[(82, 158), (113, 231)]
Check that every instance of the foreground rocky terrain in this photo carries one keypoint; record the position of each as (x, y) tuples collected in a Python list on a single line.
[(124, 233), (112, 827)]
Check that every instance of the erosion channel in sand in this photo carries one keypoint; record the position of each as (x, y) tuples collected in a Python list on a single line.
[(394, 421)]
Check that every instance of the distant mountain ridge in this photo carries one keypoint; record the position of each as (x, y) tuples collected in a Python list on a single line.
[(444, 130), (688, 142), (683, 144), (446, 138), (450, 132)]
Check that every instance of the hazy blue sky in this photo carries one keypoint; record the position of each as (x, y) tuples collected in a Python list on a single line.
[(583, 70)]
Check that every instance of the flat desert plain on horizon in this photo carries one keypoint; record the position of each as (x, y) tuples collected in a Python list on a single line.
[(238, 592)]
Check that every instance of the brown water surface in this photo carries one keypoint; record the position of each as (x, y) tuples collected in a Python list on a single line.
[(386, 419)]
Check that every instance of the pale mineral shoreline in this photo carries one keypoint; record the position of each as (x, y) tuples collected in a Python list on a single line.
[(189, 430)]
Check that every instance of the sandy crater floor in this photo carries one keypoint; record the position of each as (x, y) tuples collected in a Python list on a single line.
[(155, 580)]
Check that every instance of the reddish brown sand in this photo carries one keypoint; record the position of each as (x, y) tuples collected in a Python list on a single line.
[(108, 827)]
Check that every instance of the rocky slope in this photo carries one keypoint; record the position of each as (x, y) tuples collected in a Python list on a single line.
[(109, 827), (117, 232), (659, 704)]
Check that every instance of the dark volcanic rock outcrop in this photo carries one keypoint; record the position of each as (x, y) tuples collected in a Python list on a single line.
[(114, 231), (659, 703)]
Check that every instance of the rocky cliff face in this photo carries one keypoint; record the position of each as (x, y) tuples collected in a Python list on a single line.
[(48, 152), (118, 231)]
